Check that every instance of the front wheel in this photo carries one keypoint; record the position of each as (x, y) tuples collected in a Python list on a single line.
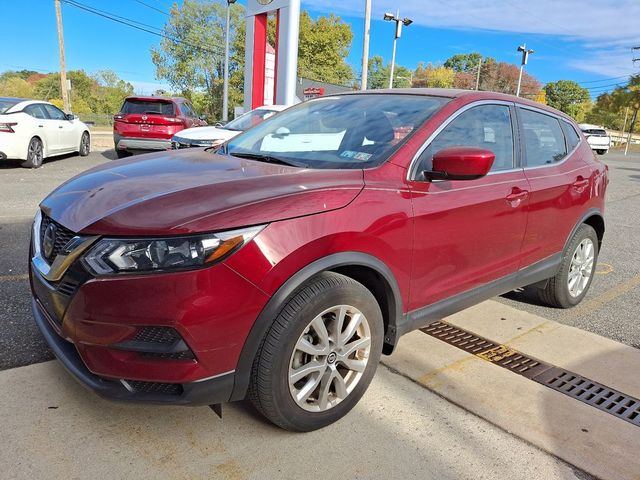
[(35, 154), (571, 283), (85, 145), (320, 354)]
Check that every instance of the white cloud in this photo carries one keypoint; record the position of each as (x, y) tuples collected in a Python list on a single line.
[(607, 30)]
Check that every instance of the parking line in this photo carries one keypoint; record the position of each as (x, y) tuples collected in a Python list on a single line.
[(603, 298), (13, 278)]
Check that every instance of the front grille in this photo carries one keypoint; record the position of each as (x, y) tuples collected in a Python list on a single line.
[(67, 288), (63, 236), (184, 355), (161, 335), (155, 388)]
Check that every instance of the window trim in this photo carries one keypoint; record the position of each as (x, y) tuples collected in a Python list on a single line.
[(560, 118), (411, 171)]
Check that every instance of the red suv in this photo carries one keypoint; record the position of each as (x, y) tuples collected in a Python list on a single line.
[(149, 123), (281, 266)]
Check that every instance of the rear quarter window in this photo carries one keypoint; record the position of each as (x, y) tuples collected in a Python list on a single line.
[(543, 138), (573, 139)]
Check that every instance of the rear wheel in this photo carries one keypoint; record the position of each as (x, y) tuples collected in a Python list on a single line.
[(320, 355), (572, 282), (85, 145), (601, 152), (122, 153), (35, 154)]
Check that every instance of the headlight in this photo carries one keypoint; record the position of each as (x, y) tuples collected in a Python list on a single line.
[(111, 256)]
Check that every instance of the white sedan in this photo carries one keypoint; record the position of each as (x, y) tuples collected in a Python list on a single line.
[(217, 135), (32, 130)]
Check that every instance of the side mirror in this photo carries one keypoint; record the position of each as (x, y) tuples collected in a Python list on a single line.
[(460, 163), (203, 118), (70, 116)]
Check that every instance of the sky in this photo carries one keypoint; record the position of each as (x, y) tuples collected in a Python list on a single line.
[(587, 42)]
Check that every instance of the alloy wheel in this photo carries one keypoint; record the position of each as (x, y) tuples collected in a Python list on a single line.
[(581, 267), (329, 358), (34, 153)]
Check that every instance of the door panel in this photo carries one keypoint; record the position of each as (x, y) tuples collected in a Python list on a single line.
[(469, 233), (560, 186)]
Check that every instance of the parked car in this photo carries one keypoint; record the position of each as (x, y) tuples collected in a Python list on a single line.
[(149, 123), (598, 138), (32, 130), (280, 271), (217, 135)]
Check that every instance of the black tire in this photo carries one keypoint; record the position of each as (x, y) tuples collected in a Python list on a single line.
[(269, 390), (85, 145), (601, 152), (35, 154), (122, 153), (556, 293)]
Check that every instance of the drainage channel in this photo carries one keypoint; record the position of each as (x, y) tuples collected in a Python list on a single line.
[(575, 386)]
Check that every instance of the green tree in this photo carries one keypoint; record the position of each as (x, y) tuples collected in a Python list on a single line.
[(195, 60), (568, 97), (466, 62), (379, 74), (323, 48)]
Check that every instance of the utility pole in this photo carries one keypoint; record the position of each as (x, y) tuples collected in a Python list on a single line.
[(365, 46), (225, 85), (390, 17), (478, 74), (63, 70), (631, 128), (525, 59), (624, 125)]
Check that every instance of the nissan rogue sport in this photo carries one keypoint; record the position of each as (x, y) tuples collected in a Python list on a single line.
[(282, 265)]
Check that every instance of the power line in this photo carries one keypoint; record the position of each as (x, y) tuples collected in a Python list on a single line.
[(152, 7), (605, 86), (131, 23), (605, 79)]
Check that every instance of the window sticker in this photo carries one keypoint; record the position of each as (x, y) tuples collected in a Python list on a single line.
[(362, 156)]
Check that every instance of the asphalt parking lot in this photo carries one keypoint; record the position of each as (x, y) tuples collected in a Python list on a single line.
[(449, 414), (609, 310)]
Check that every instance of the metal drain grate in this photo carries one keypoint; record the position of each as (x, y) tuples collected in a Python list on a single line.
[(575, 386)]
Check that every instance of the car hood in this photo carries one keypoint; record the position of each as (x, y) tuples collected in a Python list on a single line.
[(207, 133), (192, 191)]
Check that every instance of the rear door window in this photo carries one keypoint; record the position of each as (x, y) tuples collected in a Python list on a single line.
[(543, 138), (149, 107), (36, 111), (573, 139)]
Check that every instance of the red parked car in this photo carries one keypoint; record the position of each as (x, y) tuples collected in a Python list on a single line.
[(149, 123), (282, 266)]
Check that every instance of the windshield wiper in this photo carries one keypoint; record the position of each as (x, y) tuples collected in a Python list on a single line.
[(265, 158)]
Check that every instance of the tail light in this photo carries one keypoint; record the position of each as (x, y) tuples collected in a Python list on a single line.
[(6, 127), (118, 116)]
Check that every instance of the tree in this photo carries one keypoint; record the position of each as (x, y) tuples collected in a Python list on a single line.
[(192, 58), (14, 86), (323, 48), (502, 77), (466, 62), (379, 74), (433, 77), (568, 97)]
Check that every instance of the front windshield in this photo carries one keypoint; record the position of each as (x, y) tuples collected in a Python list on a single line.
[(249, 119), (349, 131)]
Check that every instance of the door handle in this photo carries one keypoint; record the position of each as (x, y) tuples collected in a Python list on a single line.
[(60, 126), (580, 183), (516, 196)]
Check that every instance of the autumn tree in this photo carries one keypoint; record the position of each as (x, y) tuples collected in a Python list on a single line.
[(379, 74), (433, 76)]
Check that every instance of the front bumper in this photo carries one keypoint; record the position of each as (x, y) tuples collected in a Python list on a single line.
[(204, 392)]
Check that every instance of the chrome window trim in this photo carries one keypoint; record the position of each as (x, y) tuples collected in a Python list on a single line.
[(560, 119), (57, 269), (411, 173)]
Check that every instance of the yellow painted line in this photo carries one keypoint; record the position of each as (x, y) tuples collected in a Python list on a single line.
[(604, 298), (13, 278), (604, 268)]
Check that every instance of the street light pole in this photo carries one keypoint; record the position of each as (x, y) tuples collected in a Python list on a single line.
[(525, 59), (225, 86), (365, 46), (390, 17)]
